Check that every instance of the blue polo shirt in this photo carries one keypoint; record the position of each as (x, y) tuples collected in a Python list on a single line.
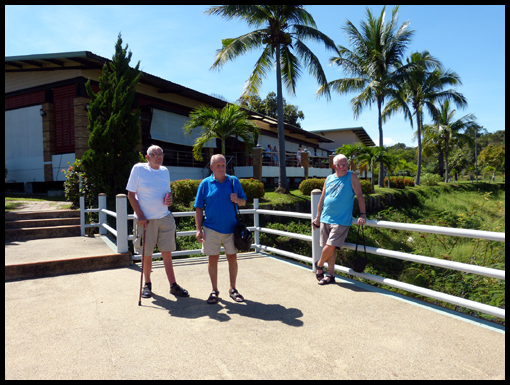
[(214, 198)]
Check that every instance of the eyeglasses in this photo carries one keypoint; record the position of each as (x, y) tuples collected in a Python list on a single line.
[(154, 155)]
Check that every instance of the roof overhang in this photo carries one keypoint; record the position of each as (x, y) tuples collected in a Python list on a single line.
[(360, 133)]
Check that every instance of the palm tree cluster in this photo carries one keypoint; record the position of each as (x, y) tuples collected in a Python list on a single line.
[(374, 63)]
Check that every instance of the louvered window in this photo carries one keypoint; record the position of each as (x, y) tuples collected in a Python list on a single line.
[(63, 100)]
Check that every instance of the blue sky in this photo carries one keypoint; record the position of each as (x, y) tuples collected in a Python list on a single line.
[(178, 43)]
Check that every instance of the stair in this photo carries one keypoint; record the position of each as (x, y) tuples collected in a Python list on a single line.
[(23, 226)]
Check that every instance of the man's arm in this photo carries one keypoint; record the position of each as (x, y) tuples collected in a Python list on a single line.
[(136, 207), (199, 217), (356, 186)]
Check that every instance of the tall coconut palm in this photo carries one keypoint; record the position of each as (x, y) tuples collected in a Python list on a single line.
[(281, 30), (230, 121), (447, 129), (423, 86), (374, 62)]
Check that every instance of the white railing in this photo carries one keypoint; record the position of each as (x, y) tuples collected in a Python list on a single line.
[(122, 246)]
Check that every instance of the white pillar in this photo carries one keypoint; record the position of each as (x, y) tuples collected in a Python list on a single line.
[(316, 248)]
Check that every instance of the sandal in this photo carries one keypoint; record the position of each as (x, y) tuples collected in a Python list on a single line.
[(234, 294), (178, 291), (325, 281), (213, 298), (321, 275)]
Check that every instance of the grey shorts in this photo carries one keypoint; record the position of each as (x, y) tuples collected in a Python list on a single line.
[(333, 235), (160, 231)]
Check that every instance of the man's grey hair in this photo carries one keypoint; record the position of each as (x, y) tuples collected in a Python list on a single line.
[(337, 158), (217, 156), (152, 148)]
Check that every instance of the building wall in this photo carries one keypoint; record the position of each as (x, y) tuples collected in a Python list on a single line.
[(24, 153)]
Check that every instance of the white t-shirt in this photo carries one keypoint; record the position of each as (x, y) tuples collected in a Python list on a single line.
[(150, 187)]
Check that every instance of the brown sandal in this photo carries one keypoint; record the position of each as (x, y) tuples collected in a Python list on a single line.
[(234, 294)]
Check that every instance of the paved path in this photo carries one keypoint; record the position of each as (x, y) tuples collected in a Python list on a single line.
[(89, 326)]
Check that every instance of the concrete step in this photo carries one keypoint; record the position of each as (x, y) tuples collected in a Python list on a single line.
[(44, 214), (48, 222), (23, 234)]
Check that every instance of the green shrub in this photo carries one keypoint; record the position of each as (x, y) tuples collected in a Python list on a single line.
[(308, 185), (72, 185), (366, 186), (184, 191), (396, 182), (253, 188), (430, 179)]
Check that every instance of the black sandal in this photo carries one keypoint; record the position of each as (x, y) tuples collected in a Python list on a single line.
[(213, 298), (234, 294), (324, 281), (178, 291), (321, 275)]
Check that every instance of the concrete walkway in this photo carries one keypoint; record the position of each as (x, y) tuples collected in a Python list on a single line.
[(89, 326)]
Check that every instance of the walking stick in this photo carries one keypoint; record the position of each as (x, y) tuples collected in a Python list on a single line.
[(141, 276)]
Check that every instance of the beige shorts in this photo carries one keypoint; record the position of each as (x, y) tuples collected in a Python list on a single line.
[(333, 235), (160, 231), (213, 240)]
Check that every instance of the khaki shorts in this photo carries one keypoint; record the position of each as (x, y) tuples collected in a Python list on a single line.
[(160, 231), (333, 235), (213, 240)]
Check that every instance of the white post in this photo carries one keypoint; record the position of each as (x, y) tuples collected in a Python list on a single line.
[(82, 215), (316, 248), (122, 227), (102, 215), (256, 223)]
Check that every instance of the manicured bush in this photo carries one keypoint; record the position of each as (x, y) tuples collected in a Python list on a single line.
[(184, 191), (366, 186), (253, 188), (396, 182), (308, 185)]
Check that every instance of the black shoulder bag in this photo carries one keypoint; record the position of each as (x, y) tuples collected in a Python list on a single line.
[(360, 262), (243, 237)]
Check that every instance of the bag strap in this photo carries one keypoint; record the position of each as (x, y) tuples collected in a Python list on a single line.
[(357, 241), (236, 209)]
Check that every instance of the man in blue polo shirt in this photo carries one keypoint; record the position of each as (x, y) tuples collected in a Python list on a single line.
[(216, 196)]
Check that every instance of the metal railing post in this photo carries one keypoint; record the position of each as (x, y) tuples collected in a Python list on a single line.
[(256, 223), (316, 248), (82, 215), (122, 227), (102, 215)]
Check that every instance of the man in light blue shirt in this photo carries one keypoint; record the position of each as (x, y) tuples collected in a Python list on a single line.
[(334, 215), (216, 196)]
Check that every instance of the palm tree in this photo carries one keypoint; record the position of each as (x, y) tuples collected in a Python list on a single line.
[(231, 121), (369, 156), (447, 129), (280, 31), (374, 61), (423, 86)]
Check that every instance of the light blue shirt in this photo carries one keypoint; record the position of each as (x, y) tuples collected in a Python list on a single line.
[(214, 198), (338, 200)]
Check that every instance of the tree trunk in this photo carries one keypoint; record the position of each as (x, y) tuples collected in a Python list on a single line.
[(283, 186), (381, 166), (418, 172)]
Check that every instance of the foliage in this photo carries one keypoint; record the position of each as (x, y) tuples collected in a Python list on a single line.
[(308, 185), (268, 106), (396, 182), (230, 121), (114, 128), (72, 185), (430, 179), (366, 186), (253, 188), (493, 155), (281, 34), (184, 191)]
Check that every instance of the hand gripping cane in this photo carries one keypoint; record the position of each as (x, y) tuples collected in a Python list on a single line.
[(141, 277)]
